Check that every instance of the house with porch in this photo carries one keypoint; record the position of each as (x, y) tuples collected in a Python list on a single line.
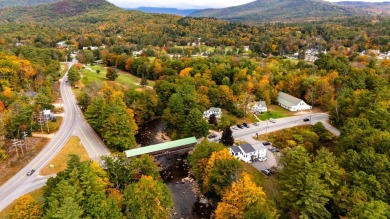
[(292, 103), (247, 152), (213, 110)]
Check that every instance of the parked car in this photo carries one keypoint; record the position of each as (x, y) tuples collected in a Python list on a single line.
[(306, 119), (235, 128), (272, 120), (266, 171), (266, 143), (212, 135), (256, 123), (240, 126), (30, 172), (245, 125), (273, 149), (262, 159)]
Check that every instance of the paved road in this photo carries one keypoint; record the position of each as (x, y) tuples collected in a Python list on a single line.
[(73, 124), (283, 123)]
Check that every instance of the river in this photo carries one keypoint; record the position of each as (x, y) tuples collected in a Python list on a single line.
[(176, 175)]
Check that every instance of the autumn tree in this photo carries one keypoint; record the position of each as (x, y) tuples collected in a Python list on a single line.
[(25, 207), (221, 170), (199, 157), (241, 196), (147, 198), (111, 74)]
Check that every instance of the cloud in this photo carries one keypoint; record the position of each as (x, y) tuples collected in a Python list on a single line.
[(187, 4)]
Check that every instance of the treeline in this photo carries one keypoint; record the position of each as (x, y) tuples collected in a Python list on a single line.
[(122, 187)]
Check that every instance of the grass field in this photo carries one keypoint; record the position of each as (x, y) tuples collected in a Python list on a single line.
[(274, 112), (89, 75), (36, 194), (73, 146), (257, 176)]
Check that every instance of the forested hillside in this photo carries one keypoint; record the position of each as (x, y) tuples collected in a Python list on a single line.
[(14, 3), (279, 10)]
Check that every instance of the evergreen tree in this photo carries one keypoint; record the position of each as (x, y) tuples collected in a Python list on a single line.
[(213, 120), (227, 137)]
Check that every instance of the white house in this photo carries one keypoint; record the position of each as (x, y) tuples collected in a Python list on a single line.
[(292, 103), (62, 44), (47, 115), (247, 152), (213, 110), (258, 107)]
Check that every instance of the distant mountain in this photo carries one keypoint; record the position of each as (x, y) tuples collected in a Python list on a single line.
[(60, 9), (14, 3), (373, 7), (173, 11), (279, 10)]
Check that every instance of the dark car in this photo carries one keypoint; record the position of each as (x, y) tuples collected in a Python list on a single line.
[(240, 126), (245, 124), (273, 149), (212, 135), (306, 119), (266, 171), (266, 143), (30, 172)]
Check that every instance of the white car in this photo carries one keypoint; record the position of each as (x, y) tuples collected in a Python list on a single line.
[(262, 159), (272, 120)]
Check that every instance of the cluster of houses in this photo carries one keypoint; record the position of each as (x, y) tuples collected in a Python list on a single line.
[(380, 55), (249, 153), (286, 101)]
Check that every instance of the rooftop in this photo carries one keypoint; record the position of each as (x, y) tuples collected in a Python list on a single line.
[(160, 147), (287, 99), (236, 149), (247, 148)]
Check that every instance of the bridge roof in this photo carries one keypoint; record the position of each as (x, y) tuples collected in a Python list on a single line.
[(160, 147)]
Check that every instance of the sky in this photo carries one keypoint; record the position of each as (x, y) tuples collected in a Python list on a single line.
[(192, 4)]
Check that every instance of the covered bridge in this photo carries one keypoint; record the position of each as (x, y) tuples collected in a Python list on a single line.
[(157, 150)]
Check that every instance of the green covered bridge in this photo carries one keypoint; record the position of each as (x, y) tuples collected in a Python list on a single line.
[(181, 145)]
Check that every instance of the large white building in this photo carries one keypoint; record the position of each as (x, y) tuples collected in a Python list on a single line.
[(213, 110), (292, 103), (247, 152)]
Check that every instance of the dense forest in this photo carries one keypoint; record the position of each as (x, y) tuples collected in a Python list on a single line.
[(197, 63)]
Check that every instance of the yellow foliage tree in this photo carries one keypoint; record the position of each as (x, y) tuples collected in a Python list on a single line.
[(243, 194), (185, 72), (221, 170), (25, 207)]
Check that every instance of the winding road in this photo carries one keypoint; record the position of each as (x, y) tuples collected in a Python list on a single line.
[(73, 124)]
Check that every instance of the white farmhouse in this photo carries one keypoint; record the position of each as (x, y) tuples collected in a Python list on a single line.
[(258, 107), (247, 152), (213, 110), (292, 103)]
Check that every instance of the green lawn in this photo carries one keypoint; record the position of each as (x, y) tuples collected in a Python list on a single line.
[(89, 75), (275, 112)]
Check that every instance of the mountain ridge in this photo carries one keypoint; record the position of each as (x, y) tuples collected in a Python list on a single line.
[(279, 10), (53, 11), (158, 10)]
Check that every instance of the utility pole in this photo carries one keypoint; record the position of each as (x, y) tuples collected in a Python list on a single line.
[(266, 131)]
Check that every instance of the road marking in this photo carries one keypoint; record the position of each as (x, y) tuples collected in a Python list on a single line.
[(93, 148)]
